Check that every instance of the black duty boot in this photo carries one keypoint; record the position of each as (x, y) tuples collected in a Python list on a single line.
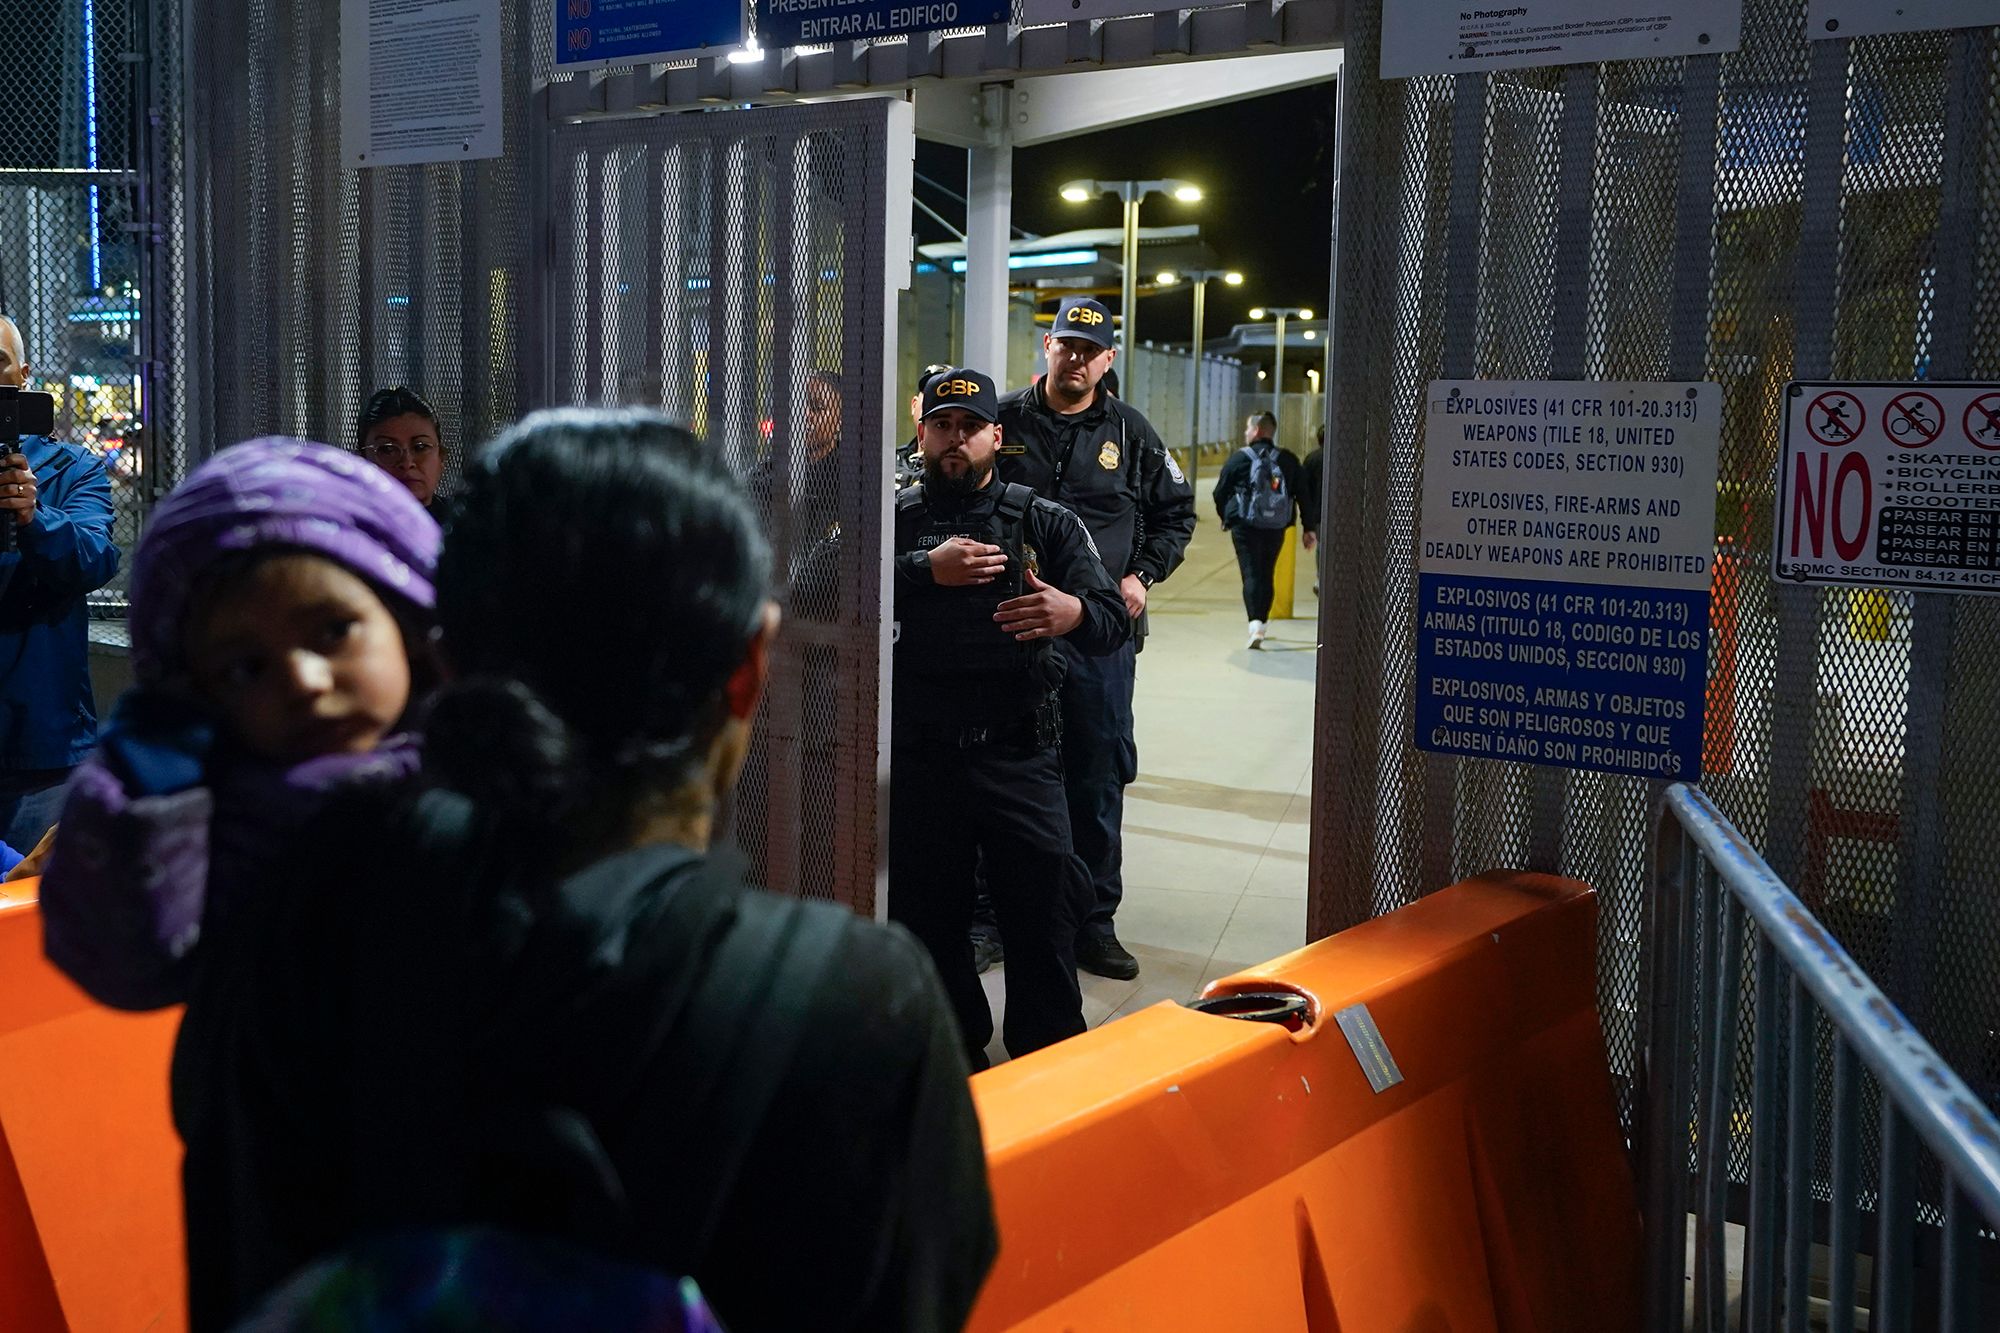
[(1104, 956), (986, 950)]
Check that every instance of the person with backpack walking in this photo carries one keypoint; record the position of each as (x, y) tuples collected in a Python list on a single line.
[(1257, 497)]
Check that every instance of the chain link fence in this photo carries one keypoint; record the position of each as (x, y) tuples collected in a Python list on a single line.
[(75, 255), (1795, 209)]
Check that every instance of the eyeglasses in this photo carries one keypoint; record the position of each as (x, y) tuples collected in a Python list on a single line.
[(389, 451)]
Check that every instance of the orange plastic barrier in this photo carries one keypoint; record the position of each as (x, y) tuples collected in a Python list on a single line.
[(1177, 1170), (90, 1204)]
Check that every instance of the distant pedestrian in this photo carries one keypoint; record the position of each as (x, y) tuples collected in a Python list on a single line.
[(1256, 496), (1312, 496)]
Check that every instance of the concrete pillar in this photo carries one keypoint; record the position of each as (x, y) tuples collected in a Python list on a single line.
[(989, 211)]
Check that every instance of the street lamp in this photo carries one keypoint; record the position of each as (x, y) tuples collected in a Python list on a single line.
[(1200, 277), (1281, 313), (1131, 193)]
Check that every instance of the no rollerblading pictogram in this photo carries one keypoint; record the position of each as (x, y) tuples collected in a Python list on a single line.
[(1836, 418), (1982, 421)]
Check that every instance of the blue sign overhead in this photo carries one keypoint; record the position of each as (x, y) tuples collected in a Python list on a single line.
[(1563, 573), (629, 32), (814, 22)]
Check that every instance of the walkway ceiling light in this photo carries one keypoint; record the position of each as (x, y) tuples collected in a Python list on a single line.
[(1233, 279), (1167, 279), (1257, 313), (1305, 314), (1311, 334), (1079, 192), (747, 54), (1187, 194)]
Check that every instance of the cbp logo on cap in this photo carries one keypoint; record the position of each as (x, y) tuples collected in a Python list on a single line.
[(957, 389), (1084, 315)]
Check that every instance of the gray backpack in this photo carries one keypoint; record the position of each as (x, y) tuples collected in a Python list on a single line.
[(1266, 501)]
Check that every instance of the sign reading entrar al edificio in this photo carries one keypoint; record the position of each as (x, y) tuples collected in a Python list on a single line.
[(1568, 530), (1456, 37), (810, 22)]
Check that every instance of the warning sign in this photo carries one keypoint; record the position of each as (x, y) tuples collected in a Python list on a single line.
[(1891, 485), (1563, 573)]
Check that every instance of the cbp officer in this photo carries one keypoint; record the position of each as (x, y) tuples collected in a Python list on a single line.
[(1072, 441), (989, 580)]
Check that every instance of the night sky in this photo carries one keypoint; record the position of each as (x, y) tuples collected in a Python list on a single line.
[(1266, 165)]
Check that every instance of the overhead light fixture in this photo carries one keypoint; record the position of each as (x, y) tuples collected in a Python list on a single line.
[(1233, 279), (1305, 314), (1188, 194), (747, 54), (1077, 192), (1257, 313), (1046, 259), (1311, 334), (1168, 279)]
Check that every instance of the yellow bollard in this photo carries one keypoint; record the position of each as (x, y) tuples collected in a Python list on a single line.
[(1281, 578), (1868, 614)]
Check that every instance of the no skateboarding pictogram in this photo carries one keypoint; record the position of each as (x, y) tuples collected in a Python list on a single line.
[(1982, 421), (1913, 419), (1836, 419)]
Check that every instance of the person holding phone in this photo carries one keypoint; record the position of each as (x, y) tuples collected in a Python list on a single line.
[(59, 500)]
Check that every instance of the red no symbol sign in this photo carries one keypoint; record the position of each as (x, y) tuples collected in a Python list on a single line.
[(1836, 418), (1914, 419), (1982, 421)]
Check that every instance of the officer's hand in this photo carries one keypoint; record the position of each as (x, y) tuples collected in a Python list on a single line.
[(962, 562), (1134, 593), (17, 488), (1045, 613), (1311, 541)]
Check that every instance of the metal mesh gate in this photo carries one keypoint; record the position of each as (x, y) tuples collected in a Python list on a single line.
[(76, 178), (308, 283), (732, 269), (1795, 209)]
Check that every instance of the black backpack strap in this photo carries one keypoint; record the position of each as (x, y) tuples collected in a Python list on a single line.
[(778, 949), (910, 497), (1013, 504)]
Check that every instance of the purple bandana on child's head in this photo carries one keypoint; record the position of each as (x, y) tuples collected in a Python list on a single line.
[(275, 492)]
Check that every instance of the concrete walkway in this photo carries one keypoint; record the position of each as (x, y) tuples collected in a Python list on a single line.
[(1216, 827)]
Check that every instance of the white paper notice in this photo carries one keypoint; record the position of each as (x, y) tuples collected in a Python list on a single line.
[(419, 81), (1827, 19), (1456, 37)]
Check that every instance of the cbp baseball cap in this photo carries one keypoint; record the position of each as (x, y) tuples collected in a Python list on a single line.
[(962, 388), (1082, 317)]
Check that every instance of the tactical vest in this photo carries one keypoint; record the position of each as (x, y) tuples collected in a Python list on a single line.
[(950, 632)]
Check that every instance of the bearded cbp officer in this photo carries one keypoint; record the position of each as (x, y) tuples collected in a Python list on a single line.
[(1071, 440), (989, 580)]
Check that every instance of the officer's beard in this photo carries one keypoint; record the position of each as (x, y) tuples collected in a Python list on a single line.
[(959, 484)]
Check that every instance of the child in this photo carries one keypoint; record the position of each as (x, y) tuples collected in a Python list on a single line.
[(281, 617)]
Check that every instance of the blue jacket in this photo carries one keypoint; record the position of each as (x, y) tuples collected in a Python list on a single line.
[(47, 718)]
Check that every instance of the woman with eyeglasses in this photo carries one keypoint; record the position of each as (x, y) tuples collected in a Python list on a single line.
[(400, 433)]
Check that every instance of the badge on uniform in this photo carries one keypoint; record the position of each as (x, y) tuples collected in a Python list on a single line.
[(1107, 457), (1174, 469)]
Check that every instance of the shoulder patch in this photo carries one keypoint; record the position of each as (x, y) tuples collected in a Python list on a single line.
[(1174, 468), (1061, 513)]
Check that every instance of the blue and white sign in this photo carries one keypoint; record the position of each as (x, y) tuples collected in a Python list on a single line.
[(1563, 573), (812, 22), (595, 33)]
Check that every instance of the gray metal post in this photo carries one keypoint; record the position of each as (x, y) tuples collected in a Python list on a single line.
[(1278, 378), (1128, 311), (989, 205), (1194, 380)]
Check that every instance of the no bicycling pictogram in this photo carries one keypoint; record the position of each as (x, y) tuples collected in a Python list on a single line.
[(1913, 419), (1982, 421), (1836, 418)]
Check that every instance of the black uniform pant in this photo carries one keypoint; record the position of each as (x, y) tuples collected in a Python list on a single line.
[(1257, 558), (952, 806), (1100, 760)]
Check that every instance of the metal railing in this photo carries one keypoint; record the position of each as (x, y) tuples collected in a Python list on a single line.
[(1708, 881)]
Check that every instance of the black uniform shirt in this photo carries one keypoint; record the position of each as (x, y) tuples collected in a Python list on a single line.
[(1064, 559), (1109, 466)]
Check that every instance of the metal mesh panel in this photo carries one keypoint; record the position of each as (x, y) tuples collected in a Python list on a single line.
[(730, 269), (73, 250), (1794, 209), (308, 283)]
